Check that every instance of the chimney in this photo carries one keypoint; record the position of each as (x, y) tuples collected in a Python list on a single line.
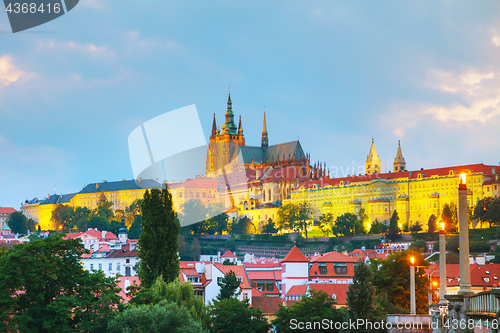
[(104, 234), (492, 170)]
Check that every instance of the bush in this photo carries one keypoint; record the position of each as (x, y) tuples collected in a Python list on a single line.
[(479, 246), (420, 245)]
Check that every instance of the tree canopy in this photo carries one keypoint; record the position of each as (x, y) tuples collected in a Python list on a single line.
[(20, 224), (45, 289), (347, 224), (229, 285), (233, 316), (158, 244), (488, 210), (294, 217)]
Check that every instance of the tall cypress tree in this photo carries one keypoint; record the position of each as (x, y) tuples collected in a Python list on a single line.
[(158, 243)]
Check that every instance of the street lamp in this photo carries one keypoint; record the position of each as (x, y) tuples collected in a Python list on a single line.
[(413, 306)]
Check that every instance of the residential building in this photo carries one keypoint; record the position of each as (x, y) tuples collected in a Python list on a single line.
[(4, 215)]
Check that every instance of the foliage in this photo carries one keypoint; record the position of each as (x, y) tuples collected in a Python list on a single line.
[(361, 296), (195, 249), (419, 245), (431, 224), (132, 212), (269, 227), (449, 216), (313, 307), (294, 217), (228, 286), (158, 246), (103, 208), (243, 225), (416, 227), (378, 228), (479, 246), (45, 289), (394, 230), (452, 243), (229, 244), (233, 316), (326, 223), (176, 292), (393, 279), (19, 223), (136, 228), (162, 317), (347, 224), (194, 212), (488, 210)]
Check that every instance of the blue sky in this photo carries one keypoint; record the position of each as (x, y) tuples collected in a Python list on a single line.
[(334, 73)]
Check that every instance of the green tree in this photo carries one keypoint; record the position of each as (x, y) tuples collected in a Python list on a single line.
[(19, 223), (132, 212), (103, 208), (229, 243), (176, 292), (431, 224), (194, 213), (182, 246), (378, 228), (162, 317), (393, 279), (361, 296), (316, 306), (233, 316), (228, 286), (347, 224), (195, 249), (419, 245), (45, 289), (99, 223), (158, 245), (416, 227), (57, 219), (488, 210), (243, 226), (449, 216), (295, 217), (269, 227), (394, 229), (326, 223), (136, 228)]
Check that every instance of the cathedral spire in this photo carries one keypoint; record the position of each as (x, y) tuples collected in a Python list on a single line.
[(240, 128), (372, 163), (399, 161), (214, 129), (229, 126), (264, 140)]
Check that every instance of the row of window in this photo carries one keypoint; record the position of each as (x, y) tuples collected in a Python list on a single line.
[(269, 286)]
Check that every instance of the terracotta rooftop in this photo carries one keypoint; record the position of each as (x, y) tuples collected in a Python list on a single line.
[(238, 270), (267, 304), (333, 256), (7, 210), (295, 256), (228, 254)]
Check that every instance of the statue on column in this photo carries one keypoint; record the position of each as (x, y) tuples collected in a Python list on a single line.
[(437, 322)]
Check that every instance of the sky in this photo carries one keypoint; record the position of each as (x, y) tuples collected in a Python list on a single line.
[(334, 74)]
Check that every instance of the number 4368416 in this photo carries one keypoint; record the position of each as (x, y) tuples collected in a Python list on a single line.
[(32, 8)]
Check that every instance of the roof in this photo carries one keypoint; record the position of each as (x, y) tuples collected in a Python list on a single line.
[(487, 276), (295, 256), (474, 168), (119, 186), (121, 282), (7, 210), (261, 275), (339, 290), (267, 304), (56, 199), (239, 270), (283, 151), (333, 256), (124, 252), (228, 254), (203, 182)]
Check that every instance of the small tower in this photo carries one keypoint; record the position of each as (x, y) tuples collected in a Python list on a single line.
[(295, 269), (214, 129), (399, 161), (229, 126), (240, 128), (264, 140), (122, 232), (372, 163)]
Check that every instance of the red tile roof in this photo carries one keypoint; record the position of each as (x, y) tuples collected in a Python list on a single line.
[(333, 256), (228, 254), (204, 182), (123, 253), (277, 275), (7, 210), (188, 264), (261, 275), (238, 270), (120, 282), (295, 256), (474, 168), (190, 272), (339, 290), (267, 304)]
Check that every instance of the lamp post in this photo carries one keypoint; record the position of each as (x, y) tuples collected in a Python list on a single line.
[(463, 223), (442, 265), (413, 306)]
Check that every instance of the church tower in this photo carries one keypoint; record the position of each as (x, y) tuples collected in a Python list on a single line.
[(399, 161), (372, 164), (264, 142)]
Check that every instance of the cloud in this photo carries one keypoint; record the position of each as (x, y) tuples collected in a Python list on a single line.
[(136, 42), (9, 73), (496, 40), (476, 96), (399, 132), (89, 49)]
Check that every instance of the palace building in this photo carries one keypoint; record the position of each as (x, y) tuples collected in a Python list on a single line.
[(415, 195)]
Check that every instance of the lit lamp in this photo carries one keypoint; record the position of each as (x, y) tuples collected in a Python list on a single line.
[(413, 306), (442, 265)]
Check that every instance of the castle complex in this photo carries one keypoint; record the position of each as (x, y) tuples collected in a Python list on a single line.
[(256, 180)]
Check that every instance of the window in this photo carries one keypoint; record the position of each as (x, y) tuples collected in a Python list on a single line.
[(219, 279), (245, 295), (260, 286), (193, 279), (340, 268), (204, 194), (91, 267), (100, 267), (118, 267), (323, 269), (180, 194), (110, 266), (197, 194), (198, 292), (127, 261), (127, 271), (270, 286)]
